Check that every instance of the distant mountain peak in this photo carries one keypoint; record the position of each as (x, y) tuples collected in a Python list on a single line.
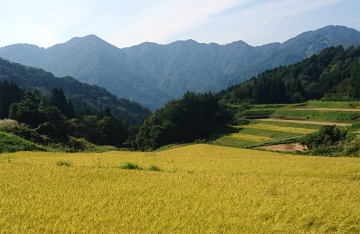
[(152, 73)]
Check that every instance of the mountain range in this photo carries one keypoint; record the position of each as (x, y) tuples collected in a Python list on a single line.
[(153, 74)]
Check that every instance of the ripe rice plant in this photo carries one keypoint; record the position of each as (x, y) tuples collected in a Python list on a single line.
[(248, 137), (210, 189), (279, 128)]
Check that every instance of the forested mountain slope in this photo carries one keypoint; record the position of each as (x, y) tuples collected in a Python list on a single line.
[(332, 75), (82, 95), (153, 74)]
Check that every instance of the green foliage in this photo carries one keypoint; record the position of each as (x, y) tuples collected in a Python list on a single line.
[(111, 131), (152, 74), (26, 112), (255, 112), (181, 120), (9, 93), (130, 166), (332, 75), (326, 136), (12, 143), (81, 96), (347, 116), (239, 120), (64, 163), (77, 144), (154, 168)]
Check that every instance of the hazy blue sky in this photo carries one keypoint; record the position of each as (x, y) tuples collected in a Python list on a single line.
[(126, 23)]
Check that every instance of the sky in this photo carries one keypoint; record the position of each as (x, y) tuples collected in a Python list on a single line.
[(126, 23)]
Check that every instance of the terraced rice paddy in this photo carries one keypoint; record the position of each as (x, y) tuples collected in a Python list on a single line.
[(248, 137), (199, 189), (255, 133), (278, 128)]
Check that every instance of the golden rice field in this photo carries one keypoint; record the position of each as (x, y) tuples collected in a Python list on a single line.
[(200, 189), (248, 137), (279, 128)]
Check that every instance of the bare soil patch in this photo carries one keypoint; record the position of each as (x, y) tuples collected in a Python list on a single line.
[(289, 147), (328, 109), (306, 122)]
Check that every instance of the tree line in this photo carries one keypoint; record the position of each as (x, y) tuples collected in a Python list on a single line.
[(52, 121)]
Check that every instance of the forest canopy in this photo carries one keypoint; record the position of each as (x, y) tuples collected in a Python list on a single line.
[(332, 75)]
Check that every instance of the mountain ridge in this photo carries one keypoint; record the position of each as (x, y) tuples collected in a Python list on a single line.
[(153, 74)]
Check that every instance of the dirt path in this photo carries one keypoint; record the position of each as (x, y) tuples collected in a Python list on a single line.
[(327, 109), (306, 122), (289, 147)]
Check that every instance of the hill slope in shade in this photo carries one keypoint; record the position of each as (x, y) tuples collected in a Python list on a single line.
[(153, 74), (82, 95)]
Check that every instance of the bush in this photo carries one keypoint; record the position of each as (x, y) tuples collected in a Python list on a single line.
[(327, 136), (7, 125), (78, 144), (64, 163), (154, 168), (239, 120), (130, 166)]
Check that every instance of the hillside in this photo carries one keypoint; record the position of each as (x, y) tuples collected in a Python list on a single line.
[(82, 95), (153, 74), (332, 75)]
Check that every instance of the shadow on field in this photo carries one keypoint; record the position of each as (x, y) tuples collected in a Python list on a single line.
[(224, 131)]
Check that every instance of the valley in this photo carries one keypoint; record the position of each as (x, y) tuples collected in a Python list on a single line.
[(153, 74), (275, 153)]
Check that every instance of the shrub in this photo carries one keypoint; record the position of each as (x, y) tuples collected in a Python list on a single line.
[(154, 168), (239, 120), (326, 136), (7, 125), (78, 144), (64, 163), (130, 166)]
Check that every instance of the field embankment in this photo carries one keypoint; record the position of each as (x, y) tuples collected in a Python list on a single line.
[(199, 188), (306, 122)]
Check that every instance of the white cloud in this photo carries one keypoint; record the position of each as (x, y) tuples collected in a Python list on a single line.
[(126, 23), (166, 18), (263, 22)]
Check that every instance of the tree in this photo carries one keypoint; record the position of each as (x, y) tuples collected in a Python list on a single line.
[(182, 120), (111, 131), (58, 99), (26, 112), (355, 79), (326, 136)]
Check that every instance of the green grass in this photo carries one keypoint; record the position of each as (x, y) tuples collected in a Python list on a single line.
[(12, 143), (257, 112), (355, 127), (228, 141), (64, 163), (268, 106), (102, 148), (154, 168), (339, 105), (130, 166), (326, 116), (276, 135)]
